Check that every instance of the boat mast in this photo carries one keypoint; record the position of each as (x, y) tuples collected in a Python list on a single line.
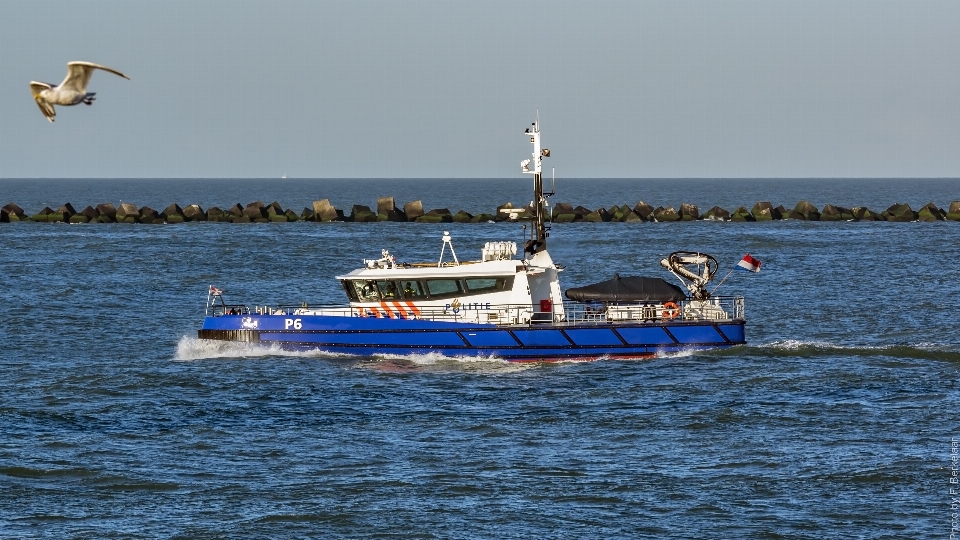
[(539, 234)]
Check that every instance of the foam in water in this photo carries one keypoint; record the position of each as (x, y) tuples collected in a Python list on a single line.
[(793, 345), (191, 348), (434, 358), (437, 363), (678, 354), (921, 350)]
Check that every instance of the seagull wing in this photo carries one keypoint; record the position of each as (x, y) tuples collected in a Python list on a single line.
[(37, 87), (78, 75), (45, 108)]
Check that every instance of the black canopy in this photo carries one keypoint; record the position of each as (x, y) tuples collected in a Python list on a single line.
[(628, 289)]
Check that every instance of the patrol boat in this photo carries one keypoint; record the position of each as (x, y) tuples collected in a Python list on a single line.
[(501, 306)]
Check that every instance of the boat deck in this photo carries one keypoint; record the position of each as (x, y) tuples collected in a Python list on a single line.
[(727, 308)]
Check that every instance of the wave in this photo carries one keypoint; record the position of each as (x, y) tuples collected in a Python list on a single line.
[(680, 354), (428, 359), (437, 363), (801, 348), (191, 348)]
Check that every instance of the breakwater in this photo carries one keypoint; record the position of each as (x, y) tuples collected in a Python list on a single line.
[(387, 210)]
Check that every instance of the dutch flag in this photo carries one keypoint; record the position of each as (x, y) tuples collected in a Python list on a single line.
[(749, 264)]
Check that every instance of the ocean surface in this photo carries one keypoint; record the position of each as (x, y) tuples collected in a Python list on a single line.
[(835, 421)]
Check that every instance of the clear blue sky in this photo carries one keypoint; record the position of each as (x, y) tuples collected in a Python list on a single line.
[(632, 89)]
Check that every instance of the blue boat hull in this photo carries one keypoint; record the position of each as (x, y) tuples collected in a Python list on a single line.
[(534, 343)]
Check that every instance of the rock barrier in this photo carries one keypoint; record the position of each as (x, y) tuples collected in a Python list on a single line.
[(387, 210)]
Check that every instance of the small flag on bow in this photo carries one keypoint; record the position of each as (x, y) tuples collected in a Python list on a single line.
[(215, 291), (749, 264)]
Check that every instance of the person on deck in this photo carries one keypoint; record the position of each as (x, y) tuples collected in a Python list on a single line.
[(408, 290), (391, 291)]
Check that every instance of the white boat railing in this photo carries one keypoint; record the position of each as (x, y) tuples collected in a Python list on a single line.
[(715, 309), (721, 308)]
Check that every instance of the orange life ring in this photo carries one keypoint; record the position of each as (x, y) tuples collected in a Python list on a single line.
[(670, 310)]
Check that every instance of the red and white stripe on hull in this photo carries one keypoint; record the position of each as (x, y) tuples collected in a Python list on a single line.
[(391, 310)]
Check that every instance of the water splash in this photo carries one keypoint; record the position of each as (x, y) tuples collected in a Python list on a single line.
[(438, 363), (191, 348), (432, 358), (678, 354)]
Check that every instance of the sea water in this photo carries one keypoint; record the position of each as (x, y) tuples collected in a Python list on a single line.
[(836, 420)]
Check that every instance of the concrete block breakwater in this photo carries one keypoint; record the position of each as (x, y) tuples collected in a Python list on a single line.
[(386, 210)]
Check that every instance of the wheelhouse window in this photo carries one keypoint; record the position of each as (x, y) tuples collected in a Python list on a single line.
[(366, 290), (485, 285), (349, 289), (388, 290), (440, 288), (413, 289)]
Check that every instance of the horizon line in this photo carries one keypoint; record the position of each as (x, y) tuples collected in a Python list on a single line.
[(477, 178)]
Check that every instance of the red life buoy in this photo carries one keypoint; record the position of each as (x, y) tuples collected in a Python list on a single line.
[(670, 310)]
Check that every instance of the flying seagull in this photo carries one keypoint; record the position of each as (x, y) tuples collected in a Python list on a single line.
[(71, 91)]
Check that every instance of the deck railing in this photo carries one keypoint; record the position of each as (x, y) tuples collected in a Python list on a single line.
[(715, 309)]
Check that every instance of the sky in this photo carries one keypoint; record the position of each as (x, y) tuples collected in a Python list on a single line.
[(424, 89)]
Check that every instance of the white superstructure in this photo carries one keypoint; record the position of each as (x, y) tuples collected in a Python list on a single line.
[(497, 288)]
